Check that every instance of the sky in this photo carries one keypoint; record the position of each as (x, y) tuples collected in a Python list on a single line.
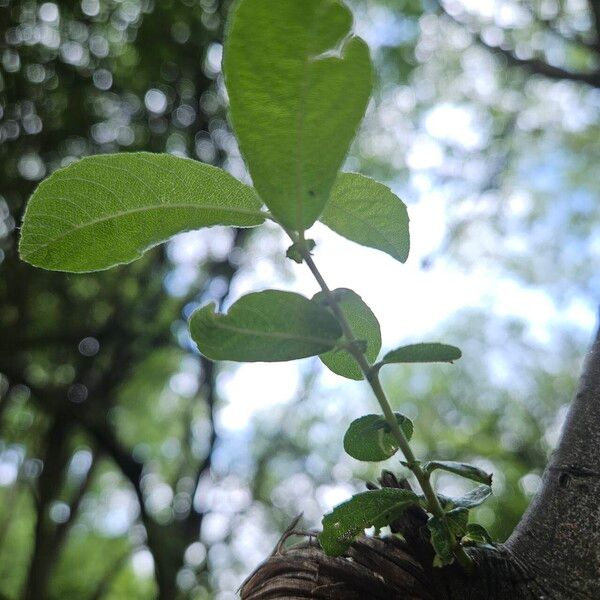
[(410, 302)]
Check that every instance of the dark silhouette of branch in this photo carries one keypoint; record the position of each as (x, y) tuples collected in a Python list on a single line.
[(209, 383), (110, 575), (595, 10), (60, 533), (56, 457), (540, 67), (532, 65)]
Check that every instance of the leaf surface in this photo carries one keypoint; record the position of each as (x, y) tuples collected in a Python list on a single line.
[(368, 213), (473, 498), (107, 210), (365, 326), (298, 85), (441, 540), (376, 508), (477, 534), (422, 353), (463, 469), (457, 520), (267, 326), (369, 438)]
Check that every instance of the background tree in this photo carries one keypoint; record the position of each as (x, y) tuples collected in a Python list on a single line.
[(518, 173), (97, 77)]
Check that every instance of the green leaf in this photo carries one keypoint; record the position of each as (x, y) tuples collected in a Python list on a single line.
[(298, 86), (458, 468), (477, 534), (369, 213), (441, 540), (376, 508), (265, 326), (474, 498), (365, 326), (457, 520), (102, 211), (422, 353), (369, 437)]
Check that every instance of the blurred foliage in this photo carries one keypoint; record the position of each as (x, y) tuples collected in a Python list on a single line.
[(508, 153), (115, 454)]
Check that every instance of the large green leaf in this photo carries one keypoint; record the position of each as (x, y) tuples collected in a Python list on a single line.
[(298, 86), (463, 469), (376, 508), (107, 210), (369, 438), (422, 353), (265, 326), (365, 327), (369, 213)]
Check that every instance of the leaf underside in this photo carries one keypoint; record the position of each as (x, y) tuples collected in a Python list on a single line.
[(368, 213), (441, 540), (423, 353), (463, 469), (106, 210), (364, 325), (267, 326), (471, 499), (376, 508), (298, 84), (369, 438)]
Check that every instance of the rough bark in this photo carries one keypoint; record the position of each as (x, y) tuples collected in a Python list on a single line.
[(559, 536), (554, 553)]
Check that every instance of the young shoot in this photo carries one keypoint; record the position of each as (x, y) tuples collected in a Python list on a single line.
[(299, 81)]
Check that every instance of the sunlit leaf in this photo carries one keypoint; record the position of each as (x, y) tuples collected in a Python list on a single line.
[(369, 438), (107, 210), (376, 508), (265, 326), (458, 468), (298, 86), (365, 327), (369, 213), (422, 353)]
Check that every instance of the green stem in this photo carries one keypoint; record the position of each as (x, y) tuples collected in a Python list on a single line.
[(371, 375)]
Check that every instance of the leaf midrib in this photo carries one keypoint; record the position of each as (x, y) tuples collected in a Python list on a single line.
[(274, 334), (397, 505), (139, 209)]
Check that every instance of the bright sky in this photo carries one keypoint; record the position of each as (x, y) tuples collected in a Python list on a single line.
[(410, 303)]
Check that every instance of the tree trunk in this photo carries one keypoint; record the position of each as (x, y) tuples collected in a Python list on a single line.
[(553, 554)]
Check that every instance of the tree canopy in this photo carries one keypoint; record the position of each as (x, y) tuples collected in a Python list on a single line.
[(126, 469)]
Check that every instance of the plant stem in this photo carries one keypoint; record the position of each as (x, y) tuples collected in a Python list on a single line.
[(371, 375)]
